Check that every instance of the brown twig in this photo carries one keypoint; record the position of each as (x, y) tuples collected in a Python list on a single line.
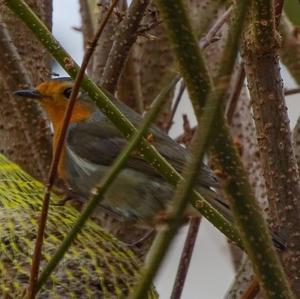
[(296, 141), (87, 27), (107, 37), (292, 91), (251, 291), (174, 109), (208, 39), (211, 35), (143, 30), (278, 7), (125, 37), (233, 98), (53, 169), (185, 258)]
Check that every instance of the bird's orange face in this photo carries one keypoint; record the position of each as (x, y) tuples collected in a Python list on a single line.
[(54, 100)]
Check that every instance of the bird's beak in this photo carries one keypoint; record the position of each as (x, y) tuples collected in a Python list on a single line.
[(28, 93)]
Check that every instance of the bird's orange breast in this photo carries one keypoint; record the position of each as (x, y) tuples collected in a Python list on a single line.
[(56, 112)]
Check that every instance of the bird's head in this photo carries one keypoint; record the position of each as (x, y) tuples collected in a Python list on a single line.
[(53, 95)]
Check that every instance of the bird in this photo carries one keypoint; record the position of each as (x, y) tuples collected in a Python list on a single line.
[(93, 142)]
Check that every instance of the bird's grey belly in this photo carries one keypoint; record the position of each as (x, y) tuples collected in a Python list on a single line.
[(133, 194)]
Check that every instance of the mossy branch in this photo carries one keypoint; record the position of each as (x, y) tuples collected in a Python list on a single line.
[(248, 216), (106, 103)]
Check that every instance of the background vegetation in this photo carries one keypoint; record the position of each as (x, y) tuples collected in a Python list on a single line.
[(213, 46)]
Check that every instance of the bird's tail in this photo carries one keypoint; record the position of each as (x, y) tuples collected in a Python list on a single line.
[(219, 203)]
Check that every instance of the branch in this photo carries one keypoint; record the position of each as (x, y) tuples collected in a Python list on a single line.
[(14, 75), (247, 213), (107, 38), (235, 95), (292, 91), (185, 258), (124, 39), (150, 54), (273, 133), (243, 278), (191, 64), (87, 28), (29, 126), (175, 106), (204, 43), (211, 34)]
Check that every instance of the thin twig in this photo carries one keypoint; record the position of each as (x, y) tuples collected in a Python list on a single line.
[(211, 35), (209, 38), (87, 27), (251, 291), (125, 37), (234, 97), (292, 91), (53, 169), (174, 109), (185, 258), (278, 8), (143, 31)]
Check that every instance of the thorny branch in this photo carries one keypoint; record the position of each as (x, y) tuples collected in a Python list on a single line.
[(260, 55)]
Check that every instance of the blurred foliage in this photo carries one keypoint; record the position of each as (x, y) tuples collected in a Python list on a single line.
[(292, 9)]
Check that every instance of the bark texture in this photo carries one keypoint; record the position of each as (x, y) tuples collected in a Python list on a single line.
[(25, 134), (276, 151)]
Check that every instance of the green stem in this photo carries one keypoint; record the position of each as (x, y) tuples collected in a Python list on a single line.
[(202, 137), (189, 57), (248, 216), (106, 103), (105, 183)]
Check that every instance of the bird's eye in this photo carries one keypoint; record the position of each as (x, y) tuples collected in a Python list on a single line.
[(67, 92)]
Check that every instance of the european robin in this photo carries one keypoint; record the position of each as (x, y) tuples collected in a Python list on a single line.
[(93, 142)]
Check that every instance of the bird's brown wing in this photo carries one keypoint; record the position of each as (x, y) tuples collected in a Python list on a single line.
[(99, 142), (100, 145)]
